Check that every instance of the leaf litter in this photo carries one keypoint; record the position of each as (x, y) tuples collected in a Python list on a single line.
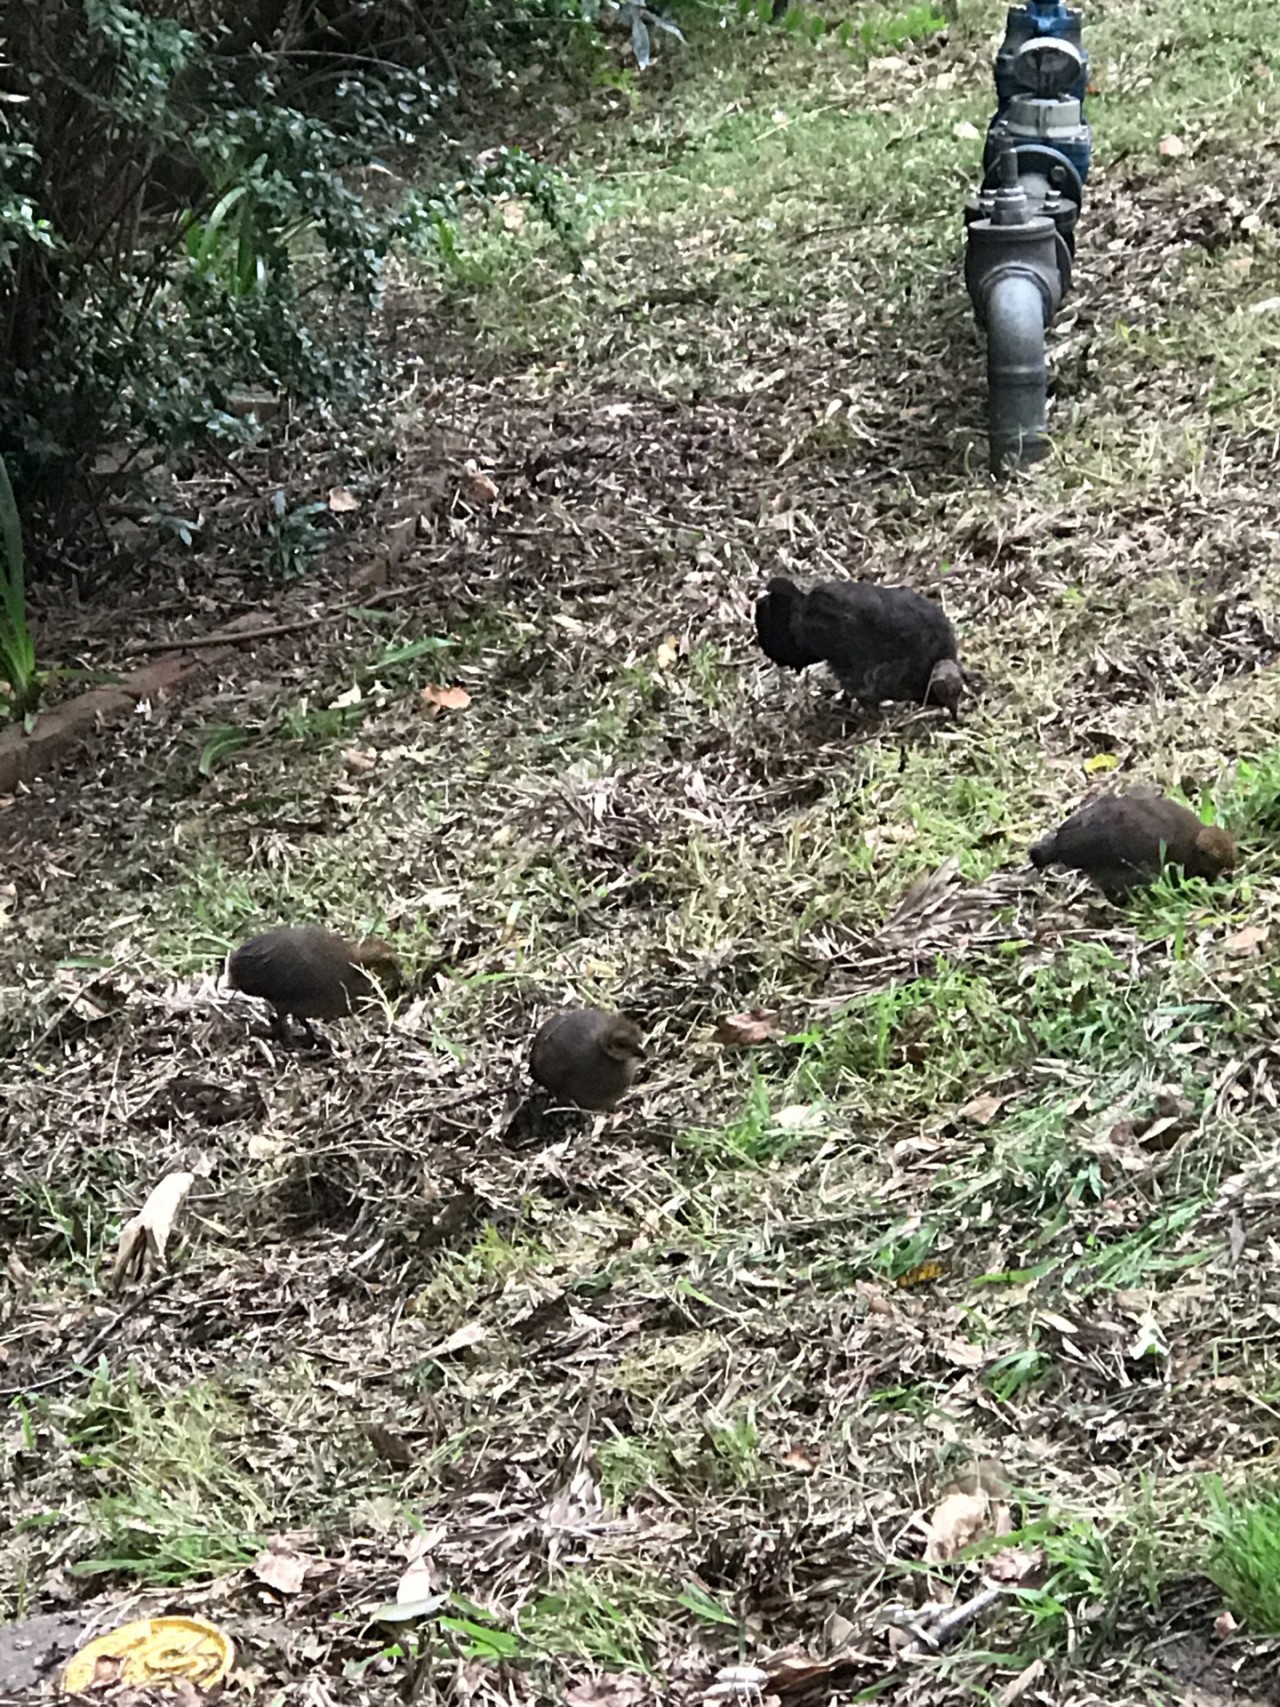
[(686, 1360)]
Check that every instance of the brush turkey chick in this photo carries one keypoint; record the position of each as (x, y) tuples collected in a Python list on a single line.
[(586, 1056), (880, 642), (1123, 840), (307, 973)]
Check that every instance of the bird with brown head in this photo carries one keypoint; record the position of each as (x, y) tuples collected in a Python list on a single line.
[(587, 1057), (307, 973), (1124, 840)]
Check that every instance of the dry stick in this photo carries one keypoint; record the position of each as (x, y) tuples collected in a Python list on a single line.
[(241, 637), (930, 1641)]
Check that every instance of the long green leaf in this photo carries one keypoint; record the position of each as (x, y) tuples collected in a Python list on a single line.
[(15, 591), (17, 652)]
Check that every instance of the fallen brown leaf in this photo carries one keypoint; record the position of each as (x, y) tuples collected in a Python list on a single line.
[(1014, 1564), (1171, 147), (1246, 941), (742, 1030), (982, 1110), (483, 489), (981, 1476), (341, 501), (436, 699), (459, 1340), (614, 1689), (282, 1569), (958, 1520), (799, 1458), (963, 1354), (1019, 1685), (145, 1238)]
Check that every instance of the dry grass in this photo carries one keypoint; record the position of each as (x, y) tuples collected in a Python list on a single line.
[(693, 1414)]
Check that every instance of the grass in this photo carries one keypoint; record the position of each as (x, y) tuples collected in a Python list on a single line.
[(1246, 1553), (978, 1192)]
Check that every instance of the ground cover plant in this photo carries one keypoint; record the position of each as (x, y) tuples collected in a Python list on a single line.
[(988, 1170)]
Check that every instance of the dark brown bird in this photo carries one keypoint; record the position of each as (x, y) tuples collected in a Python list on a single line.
[(880, 642), (586, 1056), (1126, 839), (308, 973)]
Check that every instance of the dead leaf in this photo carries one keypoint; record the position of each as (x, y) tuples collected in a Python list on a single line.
[(459, 1340), (981, 1476), (282, 1569), (1246, 941), (514, 215), (145, 1238), (982, 1110), (955, 1523), (435, 700), (360, 758), (1014, 1564), (668, 652), (1171, 147), (964, 1354), (737, 1683), (800, 1459), (341, 501), (352, 696), (742, 1030), (614, 1689), (420, 1581), (483, 489), (392, 1448), (1225, 1625), (964, 131), (1019, 1685)]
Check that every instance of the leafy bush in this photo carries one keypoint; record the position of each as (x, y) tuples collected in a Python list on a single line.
[(184, 211), (178, 222)]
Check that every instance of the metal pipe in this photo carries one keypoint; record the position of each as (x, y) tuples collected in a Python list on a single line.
[(1021, 222), (1016, 315)]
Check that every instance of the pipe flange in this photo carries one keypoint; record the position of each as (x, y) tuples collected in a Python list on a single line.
[(1036, 158)]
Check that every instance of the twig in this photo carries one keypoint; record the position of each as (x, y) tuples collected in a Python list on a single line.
[(242, 637), (930, 1641), (230, 637)]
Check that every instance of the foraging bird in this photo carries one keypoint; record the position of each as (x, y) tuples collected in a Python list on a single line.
[(1125, 839), (881, 642), (308, 973), (586, 1056)]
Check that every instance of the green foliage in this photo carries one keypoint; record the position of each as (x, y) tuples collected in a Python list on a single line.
[(292, 538), (169, 1504), (19, 682), (224, 262), (1245, 1562)]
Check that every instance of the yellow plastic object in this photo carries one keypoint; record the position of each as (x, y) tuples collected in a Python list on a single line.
[(154, 1651)]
